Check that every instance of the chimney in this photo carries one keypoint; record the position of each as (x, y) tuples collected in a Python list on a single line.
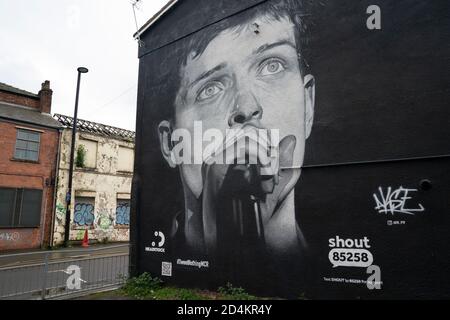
[(45, 97)]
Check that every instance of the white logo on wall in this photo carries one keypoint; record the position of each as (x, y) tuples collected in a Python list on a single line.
[(193, 263), (349, 252), (166, 269), (395, 201), (157, 245), (354, 253)]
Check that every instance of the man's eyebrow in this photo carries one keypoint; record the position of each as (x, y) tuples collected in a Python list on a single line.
[(268, 46), (208, 73)]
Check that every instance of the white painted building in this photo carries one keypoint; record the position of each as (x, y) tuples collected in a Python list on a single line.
[(101, 182)]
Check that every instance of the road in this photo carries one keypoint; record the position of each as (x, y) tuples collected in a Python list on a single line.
[(24, 275), (27, 258)]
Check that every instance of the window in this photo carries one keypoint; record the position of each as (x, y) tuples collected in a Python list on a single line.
[(27, 145), (91, 153), (84, 211), (20, 207), (123, 212), (126, 159)]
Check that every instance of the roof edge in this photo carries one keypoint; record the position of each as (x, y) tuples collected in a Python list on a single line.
[(31, 123), (155, 18), (11, 89), (96, 128)]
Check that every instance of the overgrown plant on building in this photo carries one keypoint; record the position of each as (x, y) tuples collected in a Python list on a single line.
[(81, 156)]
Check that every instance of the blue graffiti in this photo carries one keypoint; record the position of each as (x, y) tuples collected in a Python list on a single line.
[(123, 213), (84, 214)]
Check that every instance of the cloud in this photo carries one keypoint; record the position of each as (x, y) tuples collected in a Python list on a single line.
[(49, 39)]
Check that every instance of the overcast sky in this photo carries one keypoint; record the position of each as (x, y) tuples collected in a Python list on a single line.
[(48, 39)]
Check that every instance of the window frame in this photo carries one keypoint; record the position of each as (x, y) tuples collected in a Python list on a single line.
[(16, 148), (85, 141), (77, 226), (119, 168), (122, 226), (16, 214)]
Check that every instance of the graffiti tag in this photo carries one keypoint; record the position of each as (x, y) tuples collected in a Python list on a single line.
[(84, 214), (395, 201), (104, 221), (60, 212), (123, 213), (80, 235), (9, 236)]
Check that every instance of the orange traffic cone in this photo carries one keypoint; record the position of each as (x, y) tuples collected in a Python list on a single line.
[(85, 243)]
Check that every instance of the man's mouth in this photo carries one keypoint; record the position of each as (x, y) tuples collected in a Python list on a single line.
[(255, 178), (246, 144)]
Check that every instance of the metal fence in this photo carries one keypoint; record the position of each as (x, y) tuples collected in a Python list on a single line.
[(63, 277)]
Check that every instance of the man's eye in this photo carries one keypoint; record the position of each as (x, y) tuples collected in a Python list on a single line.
[(210, 91), (271, 66)]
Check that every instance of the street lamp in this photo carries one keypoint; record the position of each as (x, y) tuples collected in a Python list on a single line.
[(72, 154)]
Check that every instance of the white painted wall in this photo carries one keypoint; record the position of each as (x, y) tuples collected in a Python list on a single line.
[(106, 177)]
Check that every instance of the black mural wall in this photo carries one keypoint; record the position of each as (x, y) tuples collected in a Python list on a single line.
[(354, 199)]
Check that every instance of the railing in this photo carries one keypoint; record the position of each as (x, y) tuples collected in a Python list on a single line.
[(64, 277)]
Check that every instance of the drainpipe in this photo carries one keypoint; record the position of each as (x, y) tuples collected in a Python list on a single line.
[(55, 190), (44, 213)]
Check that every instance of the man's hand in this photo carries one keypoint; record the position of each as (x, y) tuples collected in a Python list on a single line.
[(262, 180)]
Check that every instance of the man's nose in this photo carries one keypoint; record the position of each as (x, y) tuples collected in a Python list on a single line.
[(247, 108)]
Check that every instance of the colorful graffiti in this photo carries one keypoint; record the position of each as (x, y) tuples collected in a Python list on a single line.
[(80, 235), (84, 214), (104, 221), (60, 211), (123, 213)]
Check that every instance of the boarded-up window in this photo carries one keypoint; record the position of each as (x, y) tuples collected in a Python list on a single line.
[(20, 207), (123, 212), (90, 159), (126, 159), (84, 211)]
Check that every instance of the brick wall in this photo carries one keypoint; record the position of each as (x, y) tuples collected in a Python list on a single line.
[(19, 100), (42, 102), (16, 174)]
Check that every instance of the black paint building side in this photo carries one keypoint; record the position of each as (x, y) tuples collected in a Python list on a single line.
[(381, 119)]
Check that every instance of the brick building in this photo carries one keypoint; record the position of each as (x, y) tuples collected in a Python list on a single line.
[(29, 139)]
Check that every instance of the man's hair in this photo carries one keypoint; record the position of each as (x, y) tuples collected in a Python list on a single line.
[(195, 44), (294, 10)]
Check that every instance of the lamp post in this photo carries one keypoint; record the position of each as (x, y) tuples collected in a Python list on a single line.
[(72, 154)]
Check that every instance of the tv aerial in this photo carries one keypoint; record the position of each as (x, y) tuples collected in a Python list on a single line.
[(137, 5)]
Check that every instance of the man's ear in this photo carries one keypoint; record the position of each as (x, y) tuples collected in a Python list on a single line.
[(310, 94), (165, 133)]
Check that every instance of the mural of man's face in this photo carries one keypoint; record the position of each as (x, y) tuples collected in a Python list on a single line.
[(247, 77)]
